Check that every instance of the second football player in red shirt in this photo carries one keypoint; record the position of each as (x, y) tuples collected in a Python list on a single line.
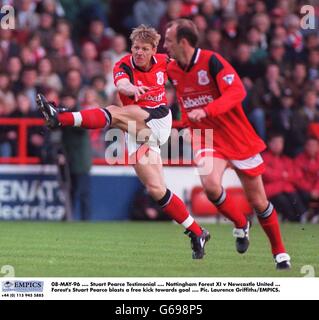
[(210, 94)]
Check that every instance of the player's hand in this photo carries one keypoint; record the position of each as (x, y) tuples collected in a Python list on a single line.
[(139, 91), (128, 89), (197, 115)]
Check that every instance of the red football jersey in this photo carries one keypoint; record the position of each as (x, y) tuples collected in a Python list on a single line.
[(211, 83), (155, 78)]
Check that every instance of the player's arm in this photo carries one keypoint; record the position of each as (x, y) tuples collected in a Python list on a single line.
[(231, 88), (123, 80), (125, 87)]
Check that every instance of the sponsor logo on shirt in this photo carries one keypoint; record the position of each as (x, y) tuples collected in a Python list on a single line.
[(203, 79), (199, 101), (229, 78), (157, 98)]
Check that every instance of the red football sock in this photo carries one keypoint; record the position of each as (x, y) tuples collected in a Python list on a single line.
[(176, 209), (90, 119), (269, 222), (228, 208)]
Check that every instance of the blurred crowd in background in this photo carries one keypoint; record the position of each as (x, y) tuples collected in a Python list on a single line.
[(67, 49)]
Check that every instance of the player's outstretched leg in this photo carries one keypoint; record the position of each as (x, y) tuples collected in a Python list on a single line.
[(94, 118)]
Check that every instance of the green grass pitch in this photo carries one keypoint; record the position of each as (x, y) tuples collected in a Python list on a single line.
[(153, 249)]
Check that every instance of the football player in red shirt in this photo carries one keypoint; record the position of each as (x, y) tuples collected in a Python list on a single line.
[(210, 94), (140, 79)]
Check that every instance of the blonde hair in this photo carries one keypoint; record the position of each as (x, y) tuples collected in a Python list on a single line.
[(146, 34)]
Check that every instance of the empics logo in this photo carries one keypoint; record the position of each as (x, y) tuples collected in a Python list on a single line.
[(22, 286), (7, 285), (7, 17)]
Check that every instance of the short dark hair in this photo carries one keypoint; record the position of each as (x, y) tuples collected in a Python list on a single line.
[(185, 29)]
